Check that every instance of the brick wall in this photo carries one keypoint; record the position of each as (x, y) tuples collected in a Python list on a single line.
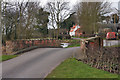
[(13, 46)]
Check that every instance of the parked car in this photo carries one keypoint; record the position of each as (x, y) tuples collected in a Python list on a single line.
[(64, 45), (111, 35)]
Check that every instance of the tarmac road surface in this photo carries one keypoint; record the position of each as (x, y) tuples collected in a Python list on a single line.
[(36, 63)]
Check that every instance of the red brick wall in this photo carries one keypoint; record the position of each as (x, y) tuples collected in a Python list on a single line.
[(13, 46)]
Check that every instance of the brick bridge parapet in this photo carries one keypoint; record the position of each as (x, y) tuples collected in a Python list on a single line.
[(12, 46)]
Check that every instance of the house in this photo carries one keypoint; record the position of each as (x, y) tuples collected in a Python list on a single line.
[(75, 30), (78, 32)]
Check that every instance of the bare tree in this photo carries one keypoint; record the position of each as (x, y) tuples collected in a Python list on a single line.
[(89, 14), (19, 18), (30, 18), (52, 17), (59, 11), (6, 19), (13, 14)]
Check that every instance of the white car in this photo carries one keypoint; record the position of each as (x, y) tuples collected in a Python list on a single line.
[(64, 45)]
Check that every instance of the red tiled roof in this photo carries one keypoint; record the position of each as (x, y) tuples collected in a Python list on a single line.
[(77, 29), (71, 30), (74, 27)]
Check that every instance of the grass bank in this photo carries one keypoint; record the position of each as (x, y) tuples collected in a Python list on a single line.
[(7, 57), (74, 45), (71, 68)]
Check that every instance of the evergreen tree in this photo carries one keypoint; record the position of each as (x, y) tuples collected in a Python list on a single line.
[(42, 20)]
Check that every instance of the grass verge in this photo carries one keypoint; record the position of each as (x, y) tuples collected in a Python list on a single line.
[(74, 45), (7, 57), (71, 68)]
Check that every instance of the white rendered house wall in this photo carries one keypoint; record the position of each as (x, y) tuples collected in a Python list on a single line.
[(73, 32)]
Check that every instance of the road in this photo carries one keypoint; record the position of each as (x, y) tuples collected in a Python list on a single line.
[(36, 63)]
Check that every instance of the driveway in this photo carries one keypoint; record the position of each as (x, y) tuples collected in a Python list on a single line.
[(36, 63)]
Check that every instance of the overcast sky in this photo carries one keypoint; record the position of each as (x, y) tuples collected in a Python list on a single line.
[(72, 2)]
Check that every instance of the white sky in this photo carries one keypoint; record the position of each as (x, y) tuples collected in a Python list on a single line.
[(72, 2)]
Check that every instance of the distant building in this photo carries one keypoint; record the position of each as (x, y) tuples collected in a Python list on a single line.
[(75, 30), (78, 32)]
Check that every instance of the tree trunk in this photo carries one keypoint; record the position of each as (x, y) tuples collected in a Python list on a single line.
[(16, 26), (54, 36), (58, 29)]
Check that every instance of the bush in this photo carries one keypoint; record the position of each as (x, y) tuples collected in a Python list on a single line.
[(64, 37), (104, 58), (102, 35), (87, 35)]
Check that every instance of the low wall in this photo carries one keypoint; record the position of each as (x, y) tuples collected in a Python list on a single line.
[(14, 46)]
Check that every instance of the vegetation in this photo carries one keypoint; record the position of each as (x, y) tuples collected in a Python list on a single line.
[(71, 68), (42, 18), (69, 22), (90, 13), (115, 18), (23, 20), (74, 45), (59, 11), (7, 57)]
